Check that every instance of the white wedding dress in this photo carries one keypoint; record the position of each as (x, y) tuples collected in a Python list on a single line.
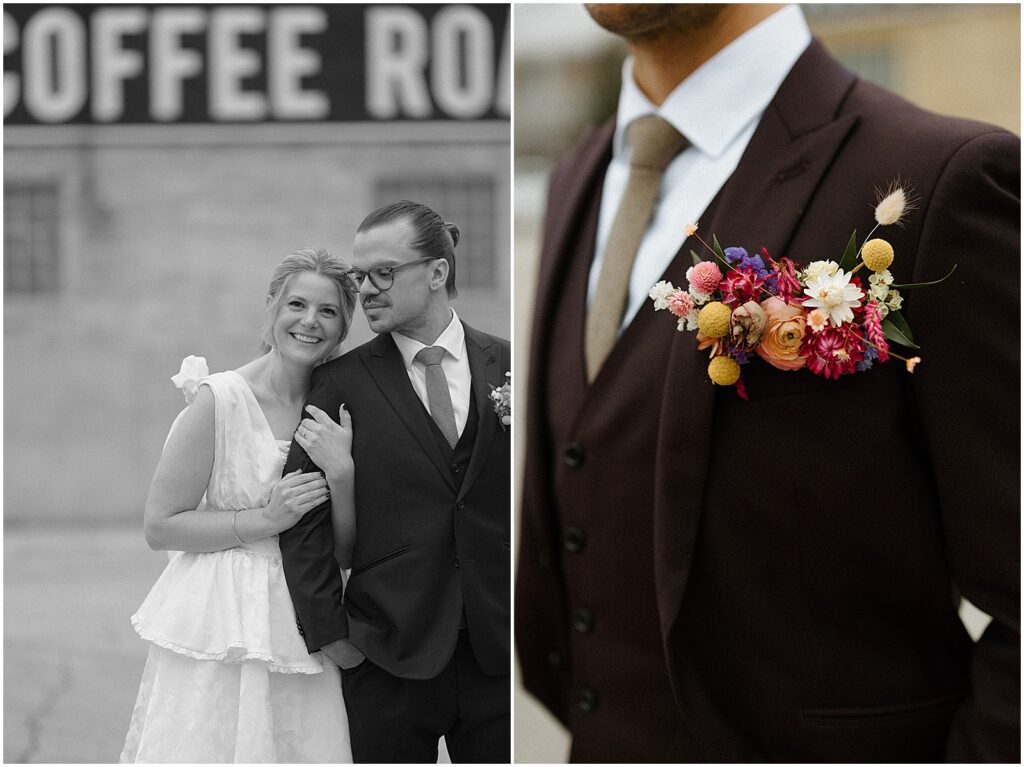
[(228, 678)]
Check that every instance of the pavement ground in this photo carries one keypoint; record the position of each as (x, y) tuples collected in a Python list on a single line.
[(72, 662)]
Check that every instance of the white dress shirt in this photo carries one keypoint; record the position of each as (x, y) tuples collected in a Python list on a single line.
[(717, 108), (455, 365)]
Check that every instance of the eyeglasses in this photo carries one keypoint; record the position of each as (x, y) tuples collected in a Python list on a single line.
[(381, 277)]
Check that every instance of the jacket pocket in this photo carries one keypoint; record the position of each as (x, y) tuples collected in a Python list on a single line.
[(844, 717), (380, 560)]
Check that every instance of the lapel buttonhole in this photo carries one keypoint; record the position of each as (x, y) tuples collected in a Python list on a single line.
[(793, 171)]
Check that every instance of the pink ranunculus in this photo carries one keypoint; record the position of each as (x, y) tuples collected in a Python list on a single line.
[(680, 303), (705, 276), (783, 335)]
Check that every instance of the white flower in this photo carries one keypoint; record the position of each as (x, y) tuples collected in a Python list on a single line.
[(689, 322), (882, 310), (816, 269), (895, 300), (834, 295), (661, 293), (193, 369), (878, 292), (883, 277), (698, 297)]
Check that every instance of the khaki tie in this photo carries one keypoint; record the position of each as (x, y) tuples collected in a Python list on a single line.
[(653, 143), (439, 398)]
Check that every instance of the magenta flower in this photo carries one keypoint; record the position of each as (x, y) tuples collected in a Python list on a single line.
[(833, 351), (787, 286), (873, 329), (738, 287)]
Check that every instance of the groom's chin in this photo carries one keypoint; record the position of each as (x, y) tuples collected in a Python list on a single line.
[(377, 323)]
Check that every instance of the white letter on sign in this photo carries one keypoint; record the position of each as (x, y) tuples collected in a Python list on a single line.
[(503, 96), (289, 62), (230, 64), (169, 63), (12, 82), (111, 63), (463, 92), (53, 96), (396, 56)]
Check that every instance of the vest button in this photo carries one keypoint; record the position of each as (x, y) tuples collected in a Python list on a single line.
[(456, 563), (583, 620), (575, 540), (460, 505), (587, 700), (574, 455), (554, 659)]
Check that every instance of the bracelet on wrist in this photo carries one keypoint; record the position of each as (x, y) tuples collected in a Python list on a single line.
[(234, 527)]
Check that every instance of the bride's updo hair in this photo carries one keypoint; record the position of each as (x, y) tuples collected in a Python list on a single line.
[(433, 237), (318, 261)]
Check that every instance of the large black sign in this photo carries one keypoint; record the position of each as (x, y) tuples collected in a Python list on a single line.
[(123, 64)]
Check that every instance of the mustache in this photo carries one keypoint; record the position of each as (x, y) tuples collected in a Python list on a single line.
[(373, 303)]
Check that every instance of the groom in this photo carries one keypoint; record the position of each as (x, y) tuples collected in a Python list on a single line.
[(704, 578), (428, 599)]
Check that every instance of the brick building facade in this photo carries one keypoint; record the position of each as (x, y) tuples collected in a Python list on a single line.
[(132, 242)]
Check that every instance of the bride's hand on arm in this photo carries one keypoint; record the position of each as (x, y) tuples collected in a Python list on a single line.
[(182, 476), (329, 446)]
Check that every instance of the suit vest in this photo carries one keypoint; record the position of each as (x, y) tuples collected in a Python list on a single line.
[(602, 440)]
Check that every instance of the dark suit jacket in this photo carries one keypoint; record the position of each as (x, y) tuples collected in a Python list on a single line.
[(426, 548), (810, 545)]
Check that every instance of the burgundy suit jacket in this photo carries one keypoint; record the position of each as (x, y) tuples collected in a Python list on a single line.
[(811, 544)]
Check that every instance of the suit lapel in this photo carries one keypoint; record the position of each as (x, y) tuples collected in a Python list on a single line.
[(569, 197), (384, 363), (486, 371), (761, 205)]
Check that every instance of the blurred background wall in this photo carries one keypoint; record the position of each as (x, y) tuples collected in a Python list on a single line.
[(958, 59), (159, 162)]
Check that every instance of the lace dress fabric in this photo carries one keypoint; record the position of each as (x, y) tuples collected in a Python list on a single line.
[(228, 678)]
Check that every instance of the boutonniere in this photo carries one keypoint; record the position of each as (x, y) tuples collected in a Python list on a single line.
[(819, 317), (501, 400)]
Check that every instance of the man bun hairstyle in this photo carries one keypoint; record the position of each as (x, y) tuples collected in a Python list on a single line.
[(433, 237)]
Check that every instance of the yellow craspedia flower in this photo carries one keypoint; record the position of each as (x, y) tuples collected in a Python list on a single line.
[(713, 319), (877, 255), (724, 371)]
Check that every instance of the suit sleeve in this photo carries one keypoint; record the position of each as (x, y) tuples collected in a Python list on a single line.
[(968, 390), (307, 549)]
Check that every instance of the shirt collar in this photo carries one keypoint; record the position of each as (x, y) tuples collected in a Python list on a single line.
[(713, 105), (452, 339)]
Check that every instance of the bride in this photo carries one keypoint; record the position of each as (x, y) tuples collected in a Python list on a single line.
[(228, 677)]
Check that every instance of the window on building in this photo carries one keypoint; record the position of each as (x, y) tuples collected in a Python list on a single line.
[(468, 202), (31, 263)]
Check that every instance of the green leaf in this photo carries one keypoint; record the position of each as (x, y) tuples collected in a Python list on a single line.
[(922, 284), (696, 258), (895, 328), (849, 259), (718, 250)]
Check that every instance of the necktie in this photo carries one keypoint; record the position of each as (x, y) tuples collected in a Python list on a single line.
[(439, 399), (653, 143)]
